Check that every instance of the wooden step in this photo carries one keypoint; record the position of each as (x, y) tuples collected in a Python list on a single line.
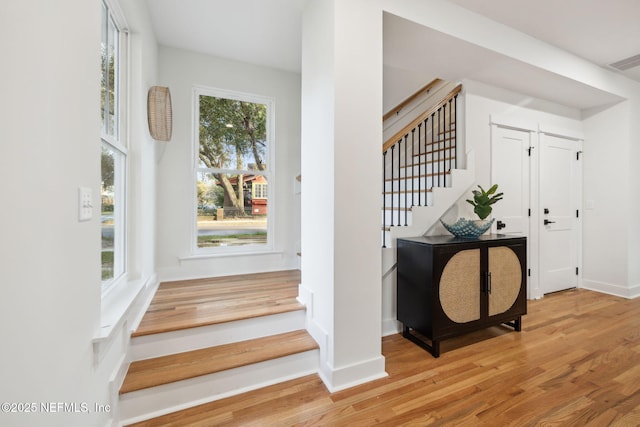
[(410, 177), (450, 159), (194, 303), (395, 208), (426, 153), (422, 190), (206, 339), (176, 367)]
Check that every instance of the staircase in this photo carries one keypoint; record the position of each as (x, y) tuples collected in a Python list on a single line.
[(426, 172), (206, 339), (425, 168)]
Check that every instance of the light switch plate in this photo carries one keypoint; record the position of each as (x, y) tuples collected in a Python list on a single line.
[(85, 204)]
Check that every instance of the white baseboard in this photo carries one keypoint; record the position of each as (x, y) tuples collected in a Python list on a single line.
[(337, 379), (390, 327), (611, 289)]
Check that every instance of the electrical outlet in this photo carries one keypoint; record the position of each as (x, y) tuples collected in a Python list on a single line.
[(85, 204)]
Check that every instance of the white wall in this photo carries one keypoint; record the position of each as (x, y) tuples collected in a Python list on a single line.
[(633, 224), (482, 102), (141, 172), (342, 106), (318, 171), (50, 309), (180, 70), (49, 145), (606, 201)]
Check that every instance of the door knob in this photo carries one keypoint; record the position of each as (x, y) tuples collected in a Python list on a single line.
[(500, 225), (547, 222)]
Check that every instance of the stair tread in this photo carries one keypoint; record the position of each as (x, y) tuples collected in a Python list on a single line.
[(194, 303), (410, 177), (176, 367)]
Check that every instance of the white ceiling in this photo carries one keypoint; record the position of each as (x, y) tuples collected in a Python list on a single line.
[(600, 31), (264, 32), (269, 33), (453, 59)]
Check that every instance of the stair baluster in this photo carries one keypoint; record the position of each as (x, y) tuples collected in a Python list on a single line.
[(399, 166), (420, 168), (406, 187), (437, 152), (433, 153), (384, 198), (391, 193), (413, 167), (455, 135), (450, 139), (439, 141)]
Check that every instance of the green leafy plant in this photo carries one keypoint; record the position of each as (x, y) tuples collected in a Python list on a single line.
[(482, 200)]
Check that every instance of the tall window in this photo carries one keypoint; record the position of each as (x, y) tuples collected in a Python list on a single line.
[(113, 156), (233, 168)]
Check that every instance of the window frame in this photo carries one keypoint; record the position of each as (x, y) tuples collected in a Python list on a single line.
[(268, 173), (117, 143)]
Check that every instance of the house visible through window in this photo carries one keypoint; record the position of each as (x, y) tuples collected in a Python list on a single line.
[(113, 156), (233, 170)]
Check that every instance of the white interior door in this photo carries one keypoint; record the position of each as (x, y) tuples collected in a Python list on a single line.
[(510, 170), (559, 206)]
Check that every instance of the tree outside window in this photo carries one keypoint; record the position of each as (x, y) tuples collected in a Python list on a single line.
[(233, 156)]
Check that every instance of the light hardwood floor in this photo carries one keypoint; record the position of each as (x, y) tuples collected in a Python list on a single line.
[(200, 302), (576, 363)]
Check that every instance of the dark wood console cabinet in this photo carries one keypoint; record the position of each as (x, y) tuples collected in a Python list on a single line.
[(447, 286)]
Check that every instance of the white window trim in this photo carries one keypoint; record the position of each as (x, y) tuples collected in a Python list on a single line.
[(119, 296), (119, 144), (269, 174)]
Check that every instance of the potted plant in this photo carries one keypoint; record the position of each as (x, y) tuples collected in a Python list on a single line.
[(482, 201)]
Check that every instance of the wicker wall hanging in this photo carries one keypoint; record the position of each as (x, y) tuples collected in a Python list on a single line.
[(159, 113)]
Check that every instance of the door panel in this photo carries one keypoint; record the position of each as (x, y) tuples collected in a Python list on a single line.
[(510, 170), (559, 200)]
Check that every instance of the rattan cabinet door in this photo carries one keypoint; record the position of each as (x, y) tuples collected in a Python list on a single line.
[(506, 279), (460, 287)]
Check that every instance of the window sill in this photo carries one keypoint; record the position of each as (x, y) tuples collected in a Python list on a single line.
[(195, 257), (115, 306)]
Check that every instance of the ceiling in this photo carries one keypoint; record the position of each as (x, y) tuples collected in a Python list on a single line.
[(264, 32), (603, 32), (269, 33)]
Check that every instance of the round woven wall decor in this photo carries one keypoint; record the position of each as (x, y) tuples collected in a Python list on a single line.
[(159, 113)]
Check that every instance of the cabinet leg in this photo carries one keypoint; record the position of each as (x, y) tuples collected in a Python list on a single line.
[(435, 348), (518, 324), (405, 331)]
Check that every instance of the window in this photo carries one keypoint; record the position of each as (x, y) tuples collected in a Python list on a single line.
[(233, 167), (259, 191), (113, 155)]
